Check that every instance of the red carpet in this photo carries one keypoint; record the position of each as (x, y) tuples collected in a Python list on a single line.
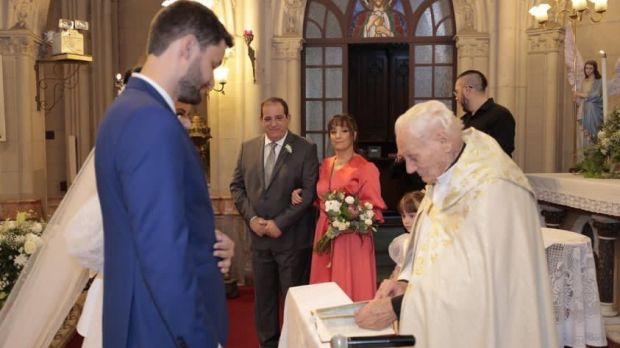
[(241, 329)]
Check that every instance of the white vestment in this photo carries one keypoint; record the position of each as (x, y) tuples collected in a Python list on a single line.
[(476, 267)]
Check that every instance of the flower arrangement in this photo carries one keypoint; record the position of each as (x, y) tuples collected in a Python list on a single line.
[(19, 239), (346, 214), (601, 159)]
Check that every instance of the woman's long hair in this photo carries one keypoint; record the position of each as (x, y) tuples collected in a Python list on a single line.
[(597, 75)]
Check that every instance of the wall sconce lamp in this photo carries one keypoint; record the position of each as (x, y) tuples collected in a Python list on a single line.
[(248, 36), (220, 75), (575, 13)]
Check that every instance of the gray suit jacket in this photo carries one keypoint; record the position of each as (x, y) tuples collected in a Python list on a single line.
[(295, 169)]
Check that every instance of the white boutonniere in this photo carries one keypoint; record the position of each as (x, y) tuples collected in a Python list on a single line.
[(288, 148)]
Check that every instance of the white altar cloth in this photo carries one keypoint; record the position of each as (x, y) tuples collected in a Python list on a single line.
[(299, 330), (575, 293), (601, 196)]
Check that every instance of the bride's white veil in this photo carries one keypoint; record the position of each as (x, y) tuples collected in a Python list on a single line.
[(52, 281)]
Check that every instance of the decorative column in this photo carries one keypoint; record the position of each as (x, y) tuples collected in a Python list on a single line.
[(545, 95), (473, 53), (286, 54), (607, 230), (23, 173)]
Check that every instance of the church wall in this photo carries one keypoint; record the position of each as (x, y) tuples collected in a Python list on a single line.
[(134, 19), (22, 155)]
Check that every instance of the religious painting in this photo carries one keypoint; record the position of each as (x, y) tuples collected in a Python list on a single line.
[(378, 19)]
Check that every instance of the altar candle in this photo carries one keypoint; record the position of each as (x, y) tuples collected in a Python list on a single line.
[(604, 81)]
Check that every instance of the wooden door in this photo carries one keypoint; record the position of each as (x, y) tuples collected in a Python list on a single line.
[(378, 94), (378, 90)]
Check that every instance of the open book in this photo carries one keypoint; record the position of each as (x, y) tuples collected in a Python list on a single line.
[(340, 320)]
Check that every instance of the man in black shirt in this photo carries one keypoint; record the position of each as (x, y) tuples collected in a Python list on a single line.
[(482, 112)]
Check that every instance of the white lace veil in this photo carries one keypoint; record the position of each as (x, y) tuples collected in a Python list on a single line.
[(51, 282)]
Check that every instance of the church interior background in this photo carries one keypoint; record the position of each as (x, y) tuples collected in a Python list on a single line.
[(322, 56)]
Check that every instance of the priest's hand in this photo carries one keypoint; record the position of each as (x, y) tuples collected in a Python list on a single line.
[(376, 315), (257, 225), (224, 249), (272, 230), (390, 288)]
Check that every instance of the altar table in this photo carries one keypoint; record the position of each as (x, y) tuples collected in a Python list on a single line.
[(599, 196), (299, 330)]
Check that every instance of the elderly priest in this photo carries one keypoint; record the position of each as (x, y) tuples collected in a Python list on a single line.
[(475, 273)]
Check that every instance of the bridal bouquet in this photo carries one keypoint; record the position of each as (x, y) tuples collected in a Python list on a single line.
[(346, 213), (19, 239)]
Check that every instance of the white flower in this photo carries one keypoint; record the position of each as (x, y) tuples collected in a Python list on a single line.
[(349, 200), (30, 246), (341, 226), (332, 205), (368, 205), (370, 214), (288, 148), (368, 222), (20, 260), (10, 225), (32, 243), (36, 227)]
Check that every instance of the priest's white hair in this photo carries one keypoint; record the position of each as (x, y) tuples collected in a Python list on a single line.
[(433, 114)]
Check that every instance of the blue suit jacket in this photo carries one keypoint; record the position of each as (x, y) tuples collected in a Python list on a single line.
[(162, 286)]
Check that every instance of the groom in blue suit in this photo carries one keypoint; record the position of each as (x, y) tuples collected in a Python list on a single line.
[(162, 284)]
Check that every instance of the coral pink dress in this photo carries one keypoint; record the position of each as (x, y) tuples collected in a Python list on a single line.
[(353, 256)]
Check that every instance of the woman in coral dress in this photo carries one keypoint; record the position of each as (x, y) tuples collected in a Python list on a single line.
[(351, 262)]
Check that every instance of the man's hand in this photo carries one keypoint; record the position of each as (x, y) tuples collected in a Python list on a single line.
[(296, 197), (272, 230), (257, 225), (224, 249), (376, 315), (391, 288)]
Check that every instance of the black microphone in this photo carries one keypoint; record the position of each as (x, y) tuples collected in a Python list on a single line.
[(373, 341)]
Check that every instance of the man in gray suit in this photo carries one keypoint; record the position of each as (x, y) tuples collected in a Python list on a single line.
[(269, 168)]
